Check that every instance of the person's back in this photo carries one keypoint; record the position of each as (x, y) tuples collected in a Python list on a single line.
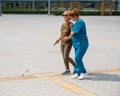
[(80, 33)]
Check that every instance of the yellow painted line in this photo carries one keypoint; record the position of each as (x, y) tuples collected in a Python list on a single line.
[(73, 88), (57, 78), (48, 76), (3, 79), (106, 71), (52, 75), (17, 78), (28, 77)]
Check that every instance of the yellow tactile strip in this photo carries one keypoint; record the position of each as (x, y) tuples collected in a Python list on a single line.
[(52, 75), (57, 79), (17, 78), (73, 88)]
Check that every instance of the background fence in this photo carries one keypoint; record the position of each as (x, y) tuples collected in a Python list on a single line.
[(41, 6)]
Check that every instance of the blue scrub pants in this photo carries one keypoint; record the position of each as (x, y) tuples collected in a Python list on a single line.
[(79, 53)]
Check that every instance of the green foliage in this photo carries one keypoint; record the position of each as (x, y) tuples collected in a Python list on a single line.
[(98, 6), (86, 13), (14, 6), (90, 13), (9, 6), (116, 13), (81, 12), (116, 5), (4, 6), (57, 13), (24, 11)]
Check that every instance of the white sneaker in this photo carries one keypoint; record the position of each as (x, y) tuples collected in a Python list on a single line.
[(75, 76), (82, 76)]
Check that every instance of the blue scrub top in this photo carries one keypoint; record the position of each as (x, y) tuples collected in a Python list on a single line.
[(80, 37)]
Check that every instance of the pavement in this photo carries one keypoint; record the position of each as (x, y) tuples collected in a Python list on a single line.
[(31, 66)]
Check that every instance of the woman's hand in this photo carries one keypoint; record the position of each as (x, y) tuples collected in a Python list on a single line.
[(57, 41), (66, 38)]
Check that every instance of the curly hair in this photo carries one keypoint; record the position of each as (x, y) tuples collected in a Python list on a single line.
[(74, 12)]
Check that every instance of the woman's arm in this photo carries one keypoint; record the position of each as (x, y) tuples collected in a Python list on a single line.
[(57, 41), (68, 37)]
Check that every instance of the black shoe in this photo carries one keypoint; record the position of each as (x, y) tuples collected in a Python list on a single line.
[(66, 72)]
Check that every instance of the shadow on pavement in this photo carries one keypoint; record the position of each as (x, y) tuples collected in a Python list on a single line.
[(103, 77)]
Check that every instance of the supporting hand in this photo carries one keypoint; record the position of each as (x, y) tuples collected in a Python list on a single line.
[(66, 38)]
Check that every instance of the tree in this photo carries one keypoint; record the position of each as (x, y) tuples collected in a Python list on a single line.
[(116, 5)]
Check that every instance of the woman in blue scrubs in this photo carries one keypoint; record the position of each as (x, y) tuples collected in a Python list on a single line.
[(80, 43)]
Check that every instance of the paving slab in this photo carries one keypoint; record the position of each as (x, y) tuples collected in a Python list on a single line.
[(26, 47)]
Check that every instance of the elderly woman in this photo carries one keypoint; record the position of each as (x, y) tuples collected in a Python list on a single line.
[(66, 29), (80, 43)]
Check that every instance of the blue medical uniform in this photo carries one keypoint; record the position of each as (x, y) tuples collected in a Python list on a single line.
[(80, 44)]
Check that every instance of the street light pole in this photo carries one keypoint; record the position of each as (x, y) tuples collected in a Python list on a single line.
[(33, 4), (0, 8), (48, 7)]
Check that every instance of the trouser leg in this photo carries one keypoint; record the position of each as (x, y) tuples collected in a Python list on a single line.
[(65, 60), (67, 53), (79, 53)]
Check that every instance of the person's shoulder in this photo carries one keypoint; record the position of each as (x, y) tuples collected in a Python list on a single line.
[(81, 21), (63, 24)]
